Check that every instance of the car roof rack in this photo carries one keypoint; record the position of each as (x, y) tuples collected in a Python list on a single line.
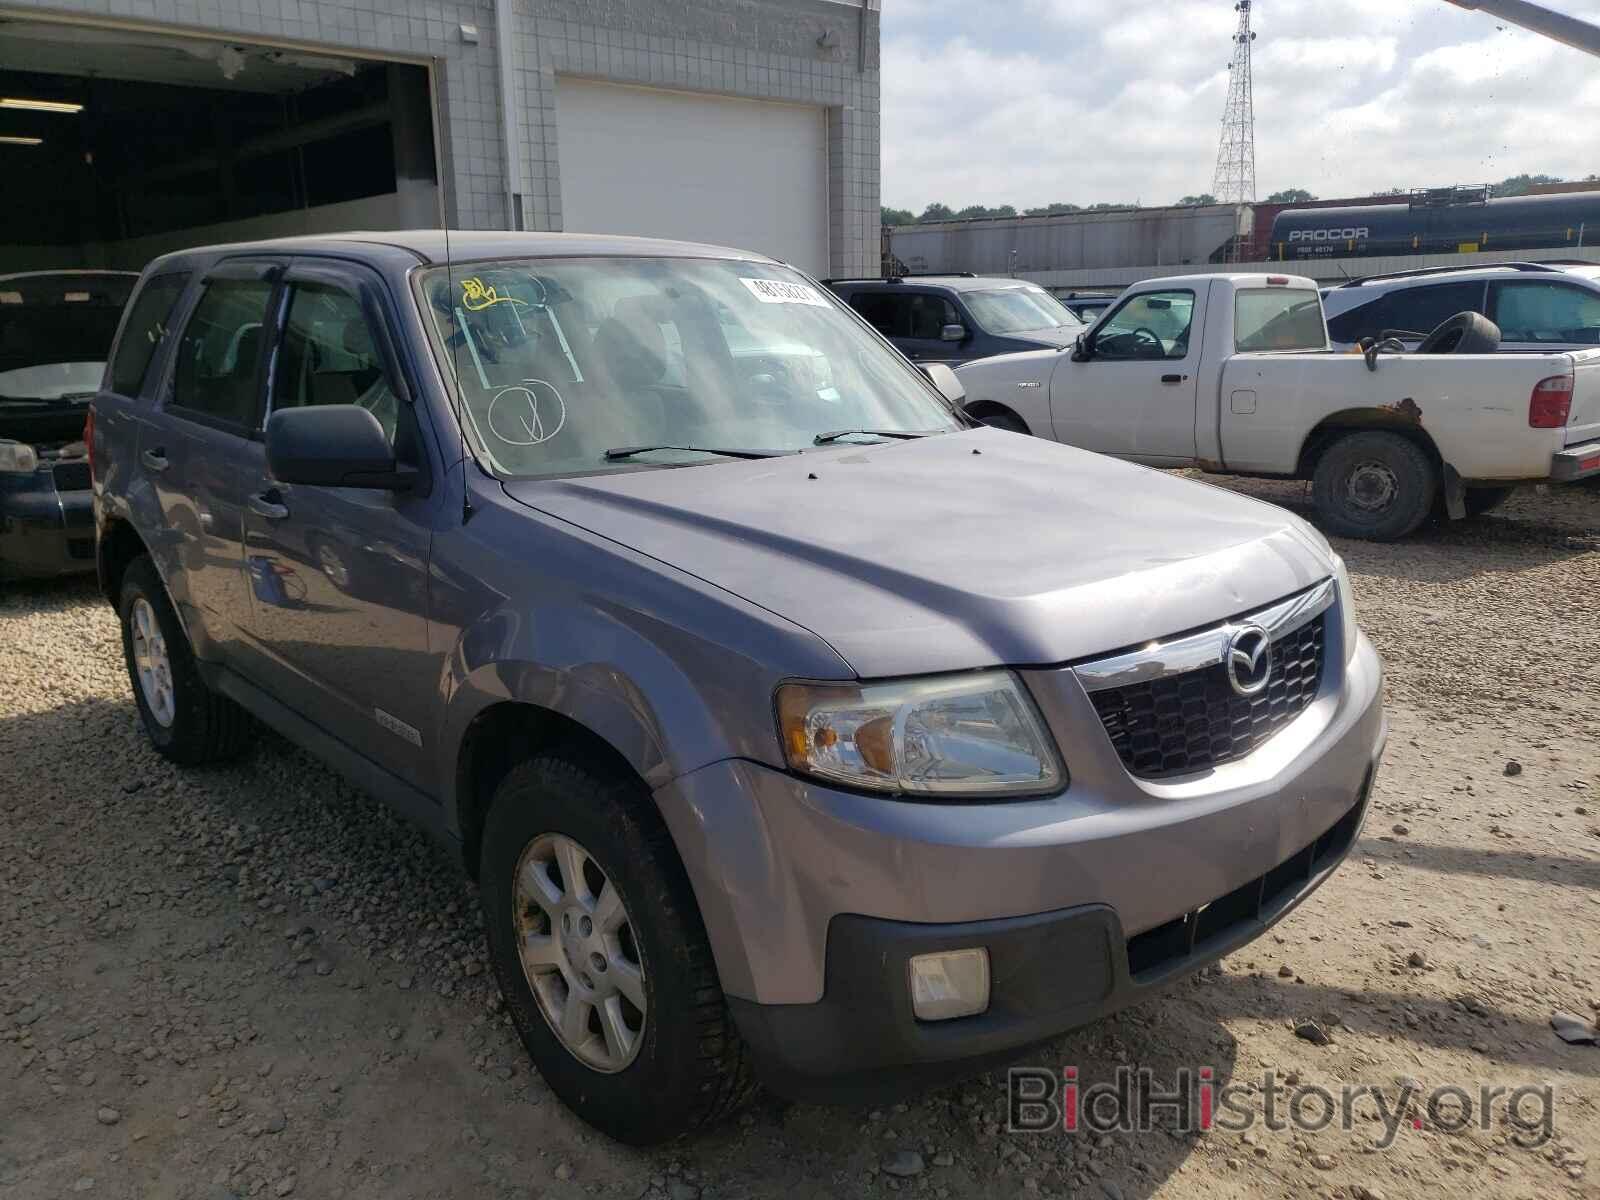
[(1550, 268), (901, 276)]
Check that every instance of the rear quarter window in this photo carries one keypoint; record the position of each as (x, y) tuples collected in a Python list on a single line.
[(147, 327), (1276, 318)]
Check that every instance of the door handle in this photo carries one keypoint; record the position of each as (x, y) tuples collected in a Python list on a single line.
[(1173, 378), (155, 460), (269, 504)]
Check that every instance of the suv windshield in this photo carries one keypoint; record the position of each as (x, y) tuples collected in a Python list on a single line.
[(55, 333), (559, 361), (1018, 309)]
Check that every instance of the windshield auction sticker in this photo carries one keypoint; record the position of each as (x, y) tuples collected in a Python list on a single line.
[(779, 291)]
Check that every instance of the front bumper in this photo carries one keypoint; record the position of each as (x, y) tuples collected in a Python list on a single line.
[(814, 898), (44, 532), (1576, 462)]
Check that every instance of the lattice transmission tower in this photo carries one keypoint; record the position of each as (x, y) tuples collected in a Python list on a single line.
[(1235, 181)]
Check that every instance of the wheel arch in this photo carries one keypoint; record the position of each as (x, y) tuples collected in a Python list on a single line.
[(119, 544), (1407, 422), (981, 409), (506, 733)]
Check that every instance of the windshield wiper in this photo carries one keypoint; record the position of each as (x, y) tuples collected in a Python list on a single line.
[(620, 452), (822, 439)]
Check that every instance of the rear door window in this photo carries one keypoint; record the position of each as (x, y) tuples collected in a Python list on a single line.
[(1555, 313), (147, 327), (219, 356), (1424, 309)]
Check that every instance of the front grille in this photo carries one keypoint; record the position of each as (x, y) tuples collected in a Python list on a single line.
[(71, 476), (1203, 932), (1189, 722)]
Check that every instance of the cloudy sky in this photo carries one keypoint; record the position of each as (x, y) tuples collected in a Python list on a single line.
[(1026, 102)]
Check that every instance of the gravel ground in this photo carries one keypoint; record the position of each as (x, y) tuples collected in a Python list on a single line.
[(252, 980)]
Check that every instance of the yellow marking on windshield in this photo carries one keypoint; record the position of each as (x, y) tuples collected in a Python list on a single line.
[(476, 297)]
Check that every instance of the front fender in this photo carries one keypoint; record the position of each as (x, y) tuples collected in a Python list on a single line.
[(671, 672)]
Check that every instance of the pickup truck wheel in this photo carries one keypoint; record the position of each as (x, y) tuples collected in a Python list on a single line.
[(187, 721), (1482, 500), (1374, 485), (602, 956)]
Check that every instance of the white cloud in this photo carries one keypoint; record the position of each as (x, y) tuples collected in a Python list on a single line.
[(1034, 101)]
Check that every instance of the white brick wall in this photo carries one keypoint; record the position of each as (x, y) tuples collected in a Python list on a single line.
[(759, 49)]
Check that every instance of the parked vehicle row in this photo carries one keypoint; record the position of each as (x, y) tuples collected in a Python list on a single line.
[(1235, 374), (953, 319), (692, 616)]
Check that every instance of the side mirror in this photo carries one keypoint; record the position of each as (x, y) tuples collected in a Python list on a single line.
[(333, 445), (946, 381), (953, 333), (1083, 348)]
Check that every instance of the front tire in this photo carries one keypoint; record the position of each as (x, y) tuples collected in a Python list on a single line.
[(1374, 485), (186, 721), (602, 956)]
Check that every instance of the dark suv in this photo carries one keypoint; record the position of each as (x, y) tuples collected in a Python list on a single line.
[(56, 328), (954, 319)]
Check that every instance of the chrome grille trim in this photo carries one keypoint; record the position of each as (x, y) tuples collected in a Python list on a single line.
[(1196, 651)]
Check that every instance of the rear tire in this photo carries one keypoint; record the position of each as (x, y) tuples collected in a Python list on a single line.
[(187, 722), (1482, 500), (1374, 485), (686, 1066)]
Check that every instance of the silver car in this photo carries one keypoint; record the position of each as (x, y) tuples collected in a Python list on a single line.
[(794, 729)]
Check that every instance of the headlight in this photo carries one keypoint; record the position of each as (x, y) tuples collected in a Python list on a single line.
[(17, 459), (974, 735), (1347, 606)]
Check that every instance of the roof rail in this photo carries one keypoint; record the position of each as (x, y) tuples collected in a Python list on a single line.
[(902, 275), (1548, 268)]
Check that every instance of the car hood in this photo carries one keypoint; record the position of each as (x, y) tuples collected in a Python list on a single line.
[(957, 551), (1060, 335)]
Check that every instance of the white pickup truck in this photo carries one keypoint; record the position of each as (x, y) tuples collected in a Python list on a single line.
[(1234, 374)]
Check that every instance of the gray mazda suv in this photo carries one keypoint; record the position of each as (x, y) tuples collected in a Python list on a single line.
[(795, 730)]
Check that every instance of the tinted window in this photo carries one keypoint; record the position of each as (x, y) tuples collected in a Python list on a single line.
[(146, 330), (329, 355), (930, 314), (1546, 312), (1409, 310), (887, 312), (1153, 325), (220, 351)]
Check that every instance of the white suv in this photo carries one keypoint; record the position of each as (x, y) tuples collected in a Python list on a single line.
[(1538, 306)]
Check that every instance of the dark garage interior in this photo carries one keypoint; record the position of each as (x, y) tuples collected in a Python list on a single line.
[(117, 146)]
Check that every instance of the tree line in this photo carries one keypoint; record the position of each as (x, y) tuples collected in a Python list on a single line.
[(1516, 185)]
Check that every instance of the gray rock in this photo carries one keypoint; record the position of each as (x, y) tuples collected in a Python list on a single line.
[(108, 1116), (1322, 1162), (1513, 767), (1416, 959), (1312, 1032), (903, 1163), (284, 1186), (683, 1191), (563, 1170)]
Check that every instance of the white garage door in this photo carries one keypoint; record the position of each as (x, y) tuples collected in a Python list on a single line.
[(702, 168)]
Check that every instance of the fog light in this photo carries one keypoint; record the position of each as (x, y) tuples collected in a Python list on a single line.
[(952, 984)]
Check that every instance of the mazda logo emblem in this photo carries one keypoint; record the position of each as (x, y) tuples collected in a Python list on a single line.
[(1249, 660)]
